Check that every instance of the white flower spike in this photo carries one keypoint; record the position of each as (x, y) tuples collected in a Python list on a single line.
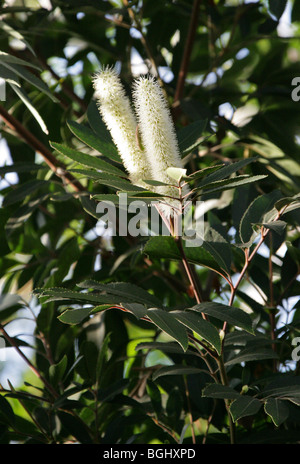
[(158, 134), (117, 114)]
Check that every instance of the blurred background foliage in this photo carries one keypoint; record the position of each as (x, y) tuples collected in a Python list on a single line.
[(231, 63)]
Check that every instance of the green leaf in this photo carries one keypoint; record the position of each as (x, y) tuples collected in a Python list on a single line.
[(168, 324), (228, 184), (244, 406), (286, 201), (87, 160), (97, 124), (155, 396), (176, 369), (10, 31), (253, 353), (202, 173), (102, 358), (164, 247), (10, 303), (9, 76), (26, 100), (277, 410), (119, 184), (257, 212), (203, 328), (190, 137), (176, 173), (219, 248), (165, 347), (234, 316), (125, 290), (6, 58), (226, 171), (219, 391), (276, 226), (28, 76), (75, 426), (156, 183), (138, 310), (6, 411), (56, 371), (283, 388), (87, 136), (21, 167), (61, 294), (74, 316), (20, 192)]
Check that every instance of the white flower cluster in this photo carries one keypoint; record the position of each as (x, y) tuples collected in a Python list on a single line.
[(160, 147)]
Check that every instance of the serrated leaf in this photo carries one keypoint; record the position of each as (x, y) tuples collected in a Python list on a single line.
[(286, 201), (252, 354), (244, 406), (124, 290), (62, 294), (176, 369), (101, 358), (156, 183), (218, 247), (168, 324), (75, 426), (190, 137), (88, 136), (227, 184), (28, 76), (6, 411), (234, 316), (21, 167), (120, 184), (276, 226), (87, 160), (277, 410), (10, 31), (227, 171), (138, 310), (164, 247), (256, 213), (97, 124), (165, 347), (21, 191), (197, 324), (74, 316), (7, 58), (26, 100), (56, 371), (202, 173), (219, 391)]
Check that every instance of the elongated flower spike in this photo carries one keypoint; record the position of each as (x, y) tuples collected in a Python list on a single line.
[(117, 114), (158, 134)]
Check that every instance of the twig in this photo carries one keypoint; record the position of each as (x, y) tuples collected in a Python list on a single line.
[(187, 393), (187, 52), (28, 362), (137, 24), (57, 167)]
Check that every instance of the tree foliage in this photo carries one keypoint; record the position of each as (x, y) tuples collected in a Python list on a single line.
[(145, 339)]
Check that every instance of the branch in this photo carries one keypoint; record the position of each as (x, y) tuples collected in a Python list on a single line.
[(28, 362), (187, 52), (57, 167)]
